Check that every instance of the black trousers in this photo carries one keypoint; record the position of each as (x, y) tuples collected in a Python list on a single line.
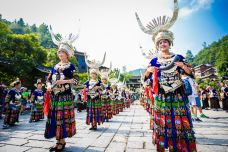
[(225, 103), (214, 103), (80, 106), (205, 103)]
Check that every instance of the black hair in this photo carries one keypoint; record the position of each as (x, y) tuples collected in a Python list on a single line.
[(39, 83)]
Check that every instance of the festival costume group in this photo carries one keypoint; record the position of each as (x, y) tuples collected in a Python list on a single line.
[(14, 99), (104, 100), (164, 95)]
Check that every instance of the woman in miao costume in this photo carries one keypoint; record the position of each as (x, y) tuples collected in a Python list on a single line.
[(141, 95), (105, 94), (61, 117), (37, 100), (172, 126), (122, 96), (114, 94), (12, 104), (92, 87), (128, 100)]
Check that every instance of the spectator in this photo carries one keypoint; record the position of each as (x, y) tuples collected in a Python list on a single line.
[(214, 100), (224, 96), (194, 100), (3, 93), (204, 99)]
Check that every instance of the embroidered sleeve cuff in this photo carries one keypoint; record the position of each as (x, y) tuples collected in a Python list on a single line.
[(75, 81)]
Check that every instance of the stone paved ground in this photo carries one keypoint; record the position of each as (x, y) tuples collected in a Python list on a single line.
[(129, 131)]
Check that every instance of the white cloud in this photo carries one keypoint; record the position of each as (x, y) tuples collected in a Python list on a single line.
[(195, 5)]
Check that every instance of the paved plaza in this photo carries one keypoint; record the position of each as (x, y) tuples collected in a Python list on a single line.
[(128, 131)]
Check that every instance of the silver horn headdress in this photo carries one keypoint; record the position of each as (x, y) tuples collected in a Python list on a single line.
[(93, 64), (105, 73), (64, 44), (114, 81), (122, 85), (158, 27)]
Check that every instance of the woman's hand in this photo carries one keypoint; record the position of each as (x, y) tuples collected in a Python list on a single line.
[(184, 67), (179, 64), (149, 69)]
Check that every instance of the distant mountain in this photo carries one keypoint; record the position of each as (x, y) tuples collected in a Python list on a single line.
[(137, 72)]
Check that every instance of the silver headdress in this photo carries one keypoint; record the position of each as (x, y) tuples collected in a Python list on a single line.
[(17, 81), (38, 81), (105, 73), (93, 64), (114, 81), (158, 27), (64, 44), (122, 85)]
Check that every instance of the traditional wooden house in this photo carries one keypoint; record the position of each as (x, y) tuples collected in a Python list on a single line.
[(205, 71), (134, 82)]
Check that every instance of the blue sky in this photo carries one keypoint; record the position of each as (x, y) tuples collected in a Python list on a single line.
[(206, 24), (110, 25)]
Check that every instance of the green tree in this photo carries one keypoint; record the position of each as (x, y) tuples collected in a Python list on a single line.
[(114, 73), (4, 31), (21, 22), (52, 58), (222, 62), (46, 41), (125, 76), (45, 37), (189, 56), (24, 47), (24, 53), (33, 28), (43, 28), (83, 77), (27, 30), (16, 28)]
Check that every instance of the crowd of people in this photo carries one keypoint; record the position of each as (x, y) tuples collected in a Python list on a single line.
[(101, 101), (170, 94), (101, 98), (26, 102), (214, 99)]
